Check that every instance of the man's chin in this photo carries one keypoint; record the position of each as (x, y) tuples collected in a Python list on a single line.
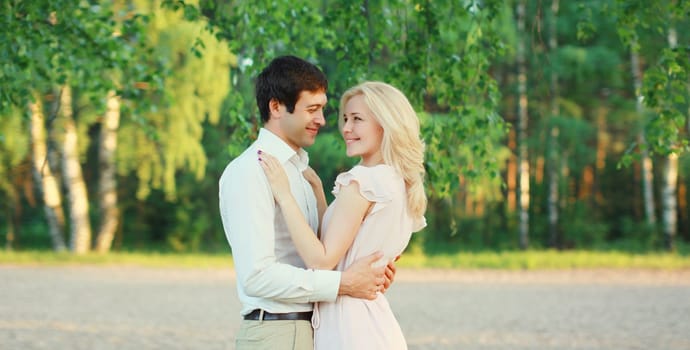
[(308, 143), (309, 140)]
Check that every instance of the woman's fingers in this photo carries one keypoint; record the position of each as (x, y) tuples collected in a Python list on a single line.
[(268, 162), (275, 174)]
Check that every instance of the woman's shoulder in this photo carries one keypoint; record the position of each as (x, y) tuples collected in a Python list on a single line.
[(378, 171), (380, 181)]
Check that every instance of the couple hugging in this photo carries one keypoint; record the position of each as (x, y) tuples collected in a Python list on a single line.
[(312, 275)]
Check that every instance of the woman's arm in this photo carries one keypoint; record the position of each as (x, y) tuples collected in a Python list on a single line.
[(348, 212)]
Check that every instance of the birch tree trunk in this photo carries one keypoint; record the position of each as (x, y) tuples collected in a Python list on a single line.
[(53, 138), (669, 201), (647, 165), (523, 161), (554, 161), (107, 184), (80, 226), (45, 180)]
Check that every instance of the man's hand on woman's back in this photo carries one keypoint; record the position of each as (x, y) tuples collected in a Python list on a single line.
[(361, 280)]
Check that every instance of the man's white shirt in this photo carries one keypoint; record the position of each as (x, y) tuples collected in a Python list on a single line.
[(270, 273)]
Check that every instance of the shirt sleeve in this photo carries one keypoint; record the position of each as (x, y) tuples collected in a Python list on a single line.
[(248, 209)]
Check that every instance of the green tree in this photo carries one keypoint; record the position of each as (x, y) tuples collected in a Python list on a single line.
[(523, 119), (70, 44), (661, 87), (13, 153), (192, 93), (439, 54), (44, 43)]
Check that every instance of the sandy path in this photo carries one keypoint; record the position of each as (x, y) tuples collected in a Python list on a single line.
[(141, 308)]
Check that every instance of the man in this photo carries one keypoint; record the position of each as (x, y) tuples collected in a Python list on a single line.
[(275, 289)]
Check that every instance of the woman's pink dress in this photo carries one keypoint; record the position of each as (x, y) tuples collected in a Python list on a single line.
[(357, 324)]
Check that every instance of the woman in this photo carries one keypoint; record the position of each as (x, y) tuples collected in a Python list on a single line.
[(378, 205)]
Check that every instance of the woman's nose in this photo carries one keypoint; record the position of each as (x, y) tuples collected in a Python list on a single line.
[(347, 126)]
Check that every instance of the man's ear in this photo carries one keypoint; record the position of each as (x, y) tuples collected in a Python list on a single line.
[(274, 108)]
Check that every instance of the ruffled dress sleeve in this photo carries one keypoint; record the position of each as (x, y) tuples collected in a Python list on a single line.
[(374, 185)]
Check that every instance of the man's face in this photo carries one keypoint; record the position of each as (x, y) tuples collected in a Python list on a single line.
[(299, 129)]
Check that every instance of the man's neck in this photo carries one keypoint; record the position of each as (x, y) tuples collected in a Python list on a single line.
[(276, 130)]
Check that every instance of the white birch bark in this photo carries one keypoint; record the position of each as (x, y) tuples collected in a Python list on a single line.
[(523, 161), (554, 161), (669, 199), (80, 225), (107, 184), (647, 165), (46, 183)]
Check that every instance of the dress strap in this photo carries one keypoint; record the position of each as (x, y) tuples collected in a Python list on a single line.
[(315, 319)]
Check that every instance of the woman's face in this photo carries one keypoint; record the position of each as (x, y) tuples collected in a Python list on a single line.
[(362, 132)]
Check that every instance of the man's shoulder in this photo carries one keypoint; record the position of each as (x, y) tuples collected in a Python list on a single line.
[(245, 163), (244, 157)]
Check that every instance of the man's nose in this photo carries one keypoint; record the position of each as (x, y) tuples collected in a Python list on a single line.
[(320, 119)]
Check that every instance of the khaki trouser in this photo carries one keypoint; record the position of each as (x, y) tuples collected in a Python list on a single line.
[(275, 335)]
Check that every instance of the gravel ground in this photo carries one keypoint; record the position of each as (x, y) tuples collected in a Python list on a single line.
[(142, 308)]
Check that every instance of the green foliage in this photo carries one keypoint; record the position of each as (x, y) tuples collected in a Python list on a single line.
[(452, 82), (14, 172), (256, 32), (582, 229), (48, 43), (412, 45), (186, 82), (666, 88), (30, 234), (638, 236), (13, 145), (449, 230), (592, 68), (666, 81), (193, 93), (190, 223), (575, 139)]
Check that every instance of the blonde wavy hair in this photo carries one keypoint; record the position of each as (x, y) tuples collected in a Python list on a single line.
[(402, 147)]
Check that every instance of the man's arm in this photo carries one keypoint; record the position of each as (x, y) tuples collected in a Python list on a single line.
[(248, 211)]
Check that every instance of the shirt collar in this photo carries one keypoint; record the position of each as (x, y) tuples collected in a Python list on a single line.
[(274, 145)]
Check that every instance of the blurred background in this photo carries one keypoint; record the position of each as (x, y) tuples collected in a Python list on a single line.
[(559, 125)]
